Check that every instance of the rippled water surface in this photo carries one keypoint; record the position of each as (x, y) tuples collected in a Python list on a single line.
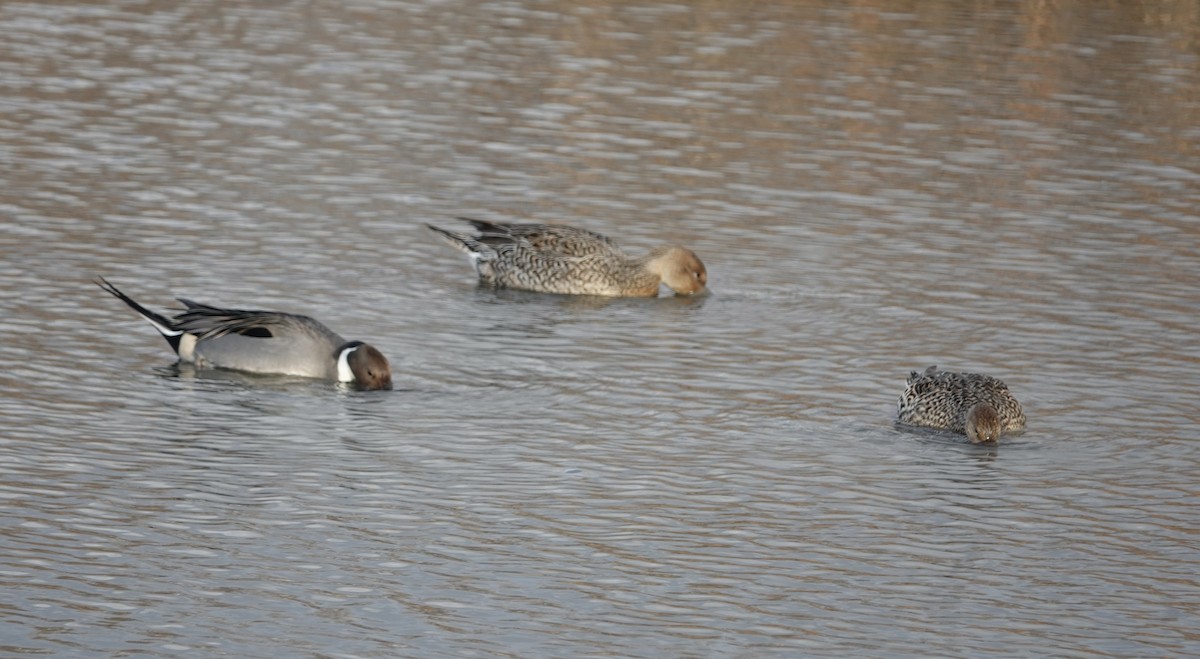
[(1005, 187)]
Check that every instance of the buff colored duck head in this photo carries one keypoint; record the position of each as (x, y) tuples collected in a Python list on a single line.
[(680, 269), (983, 424)]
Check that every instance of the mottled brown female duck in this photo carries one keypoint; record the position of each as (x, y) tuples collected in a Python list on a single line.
[(978, 406), (554, 258)]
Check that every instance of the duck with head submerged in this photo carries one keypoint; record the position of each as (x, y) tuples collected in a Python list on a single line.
[(978, 406), (264, 342), (555, 258)]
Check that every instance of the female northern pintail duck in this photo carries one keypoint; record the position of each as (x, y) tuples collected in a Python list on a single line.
[(264, 342), (977, 405), (554, 258)]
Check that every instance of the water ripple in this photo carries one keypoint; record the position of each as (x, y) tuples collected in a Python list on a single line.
[(872, 191)]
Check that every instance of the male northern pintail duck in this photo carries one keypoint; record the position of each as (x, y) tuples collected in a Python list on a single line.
[(264, 342), (977, 405), (554, 258)]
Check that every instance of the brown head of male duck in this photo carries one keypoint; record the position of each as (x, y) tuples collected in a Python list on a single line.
[(555, 258)]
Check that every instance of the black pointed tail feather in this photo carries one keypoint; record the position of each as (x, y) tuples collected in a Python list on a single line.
[(164, 325), (487, 228), (464, 243)]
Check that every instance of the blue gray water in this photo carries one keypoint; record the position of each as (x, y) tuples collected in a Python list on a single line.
[(1004, 187)]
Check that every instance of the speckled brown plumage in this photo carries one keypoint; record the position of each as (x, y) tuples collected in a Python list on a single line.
[(554, 238), (978, 406), (554, 258)]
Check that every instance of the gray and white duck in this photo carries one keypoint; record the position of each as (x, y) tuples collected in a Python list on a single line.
[(269, 342)]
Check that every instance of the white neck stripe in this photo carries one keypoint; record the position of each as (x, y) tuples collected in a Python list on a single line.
[(344, 372)]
